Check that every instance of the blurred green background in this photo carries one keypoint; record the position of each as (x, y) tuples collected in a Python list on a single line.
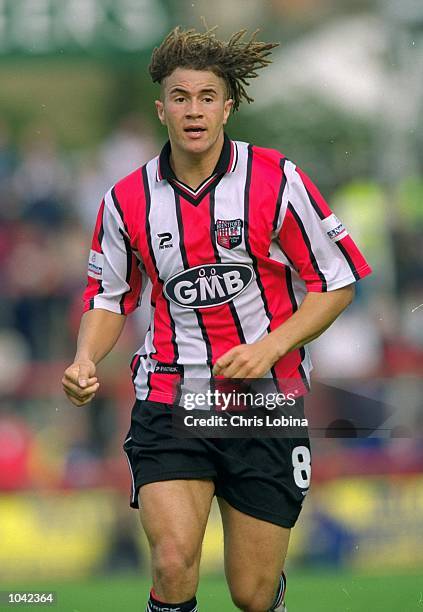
[(343, 99)]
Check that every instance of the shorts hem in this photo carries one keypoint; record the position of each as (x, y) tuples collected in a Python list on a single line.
[(259, 513), (177, 475)]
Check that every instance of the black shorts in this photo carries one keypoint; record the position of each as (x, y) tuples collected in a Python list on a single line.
[(267, 478)]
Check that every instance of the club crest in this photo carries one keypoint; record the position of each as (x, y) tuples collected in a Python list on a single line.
[(229, 232)]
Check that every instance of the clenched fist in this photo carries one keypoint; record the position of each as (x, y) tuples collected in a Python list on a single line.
[(80, 383)]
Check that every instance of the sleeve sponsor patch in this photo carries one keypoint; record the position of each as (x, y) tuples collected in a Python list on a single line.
[(334, 228), (95, 265)]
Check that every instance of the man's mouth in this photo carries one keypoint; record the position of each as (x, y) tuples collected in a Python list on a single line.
[(194, 130)]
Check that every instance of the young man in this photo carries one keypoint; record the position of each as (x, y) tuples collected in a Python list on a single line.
[(247, 265)]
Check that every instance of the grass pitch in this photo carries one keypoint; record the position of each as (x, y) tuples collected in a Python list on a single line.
[(307, 592)]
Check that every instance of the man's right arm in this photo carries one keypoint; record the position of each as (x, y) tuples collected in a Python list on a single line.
[(98, 333)]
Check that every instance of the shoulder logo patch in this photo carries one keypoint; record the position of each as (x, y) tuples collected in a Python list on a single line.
[(334, 228), (95, 265), (228, 232)]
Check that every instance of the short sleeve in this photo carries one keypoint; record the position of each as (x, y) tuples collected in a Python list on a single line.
[(114, 274), (314, 240)]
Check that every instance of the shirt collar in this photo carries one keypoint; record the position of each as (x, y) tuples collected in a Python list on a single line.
[(226, 162)]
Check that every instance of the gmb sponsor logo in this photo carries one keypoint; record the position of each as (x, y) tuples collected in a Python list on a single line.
[(208, 285)]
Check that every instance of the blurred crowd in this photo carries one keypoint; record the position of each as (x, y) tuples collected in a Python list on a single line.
[(48, 204)]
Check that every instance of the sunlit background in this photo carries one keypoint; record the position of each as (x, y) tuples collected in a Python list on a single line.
[(343, 99)]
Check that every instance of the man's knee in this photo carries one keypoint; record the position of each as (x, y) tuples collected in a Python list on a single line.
[(174, 563), (256, 596)]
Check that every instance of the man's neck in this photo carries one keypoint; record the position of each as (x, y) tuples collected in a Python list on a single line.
[(194, 169)]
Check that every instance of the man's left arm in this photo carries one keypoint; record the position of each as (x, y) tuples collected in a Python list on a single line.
[(317, 312), (317, 246)]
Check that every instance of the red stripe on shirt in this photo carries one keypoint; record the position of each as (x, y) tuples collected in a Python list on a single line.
[(126, 197), (359, 266), (163, 385), (136, 189), (218, 321), (272, 274), (163, 339), (130, 300), (293, 243)]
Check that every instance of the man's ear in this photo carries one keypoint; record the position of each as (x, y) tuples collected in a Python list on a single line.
[(160, 111), (227, 110)]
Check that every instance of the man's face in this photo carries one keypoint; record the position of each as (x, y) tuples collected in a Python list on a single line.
[(194, 108)]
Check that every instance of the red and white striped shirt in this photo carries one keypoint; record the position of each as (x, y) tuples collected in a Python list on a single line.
[(228, 262)]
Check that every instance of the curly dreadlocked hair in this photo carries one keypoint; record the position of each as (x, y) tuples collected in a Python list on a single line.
[(235, 61)]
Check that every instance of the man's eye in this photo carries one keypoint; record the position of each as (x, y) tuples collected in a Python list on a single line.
[(208, 99), (179, 99)]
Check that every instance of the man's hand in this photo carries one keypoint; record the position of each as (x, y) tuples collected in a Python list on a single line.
[(247, 360), (80, 383), (98, 333)]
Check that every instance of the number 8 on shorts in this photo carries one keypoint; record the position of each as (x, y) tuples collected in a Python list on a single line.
[(301, 462)]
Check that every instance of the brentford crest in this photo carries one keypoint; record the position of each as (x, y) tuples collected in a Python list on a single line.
[(229, 232)]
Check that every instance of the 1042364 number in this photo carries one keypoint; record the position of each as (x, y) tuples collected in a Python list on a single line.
[(28, 597)]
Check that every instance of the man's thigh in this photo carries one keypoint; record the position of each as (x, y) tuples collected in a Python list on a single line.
[(175, 512)]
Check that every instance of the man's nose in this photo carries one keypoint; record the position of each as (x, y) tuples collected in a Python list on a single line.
[(194, 109)]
